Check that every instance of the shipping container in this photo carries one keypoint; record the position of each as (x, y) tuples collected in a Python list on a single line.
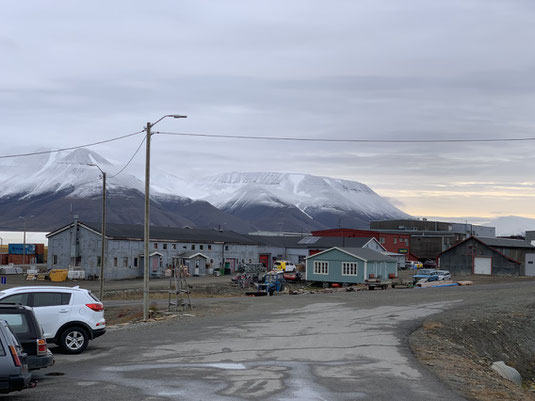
[(22, 259), (18, 249), (3, 259), (39, 249)]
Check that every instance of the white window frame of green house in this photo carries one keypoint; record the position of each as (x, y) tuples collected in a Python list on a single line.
[(349, 268), (321, 267)]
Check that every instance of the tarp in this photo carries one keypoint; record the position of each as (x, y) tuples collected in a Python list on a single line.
[(11, 270)]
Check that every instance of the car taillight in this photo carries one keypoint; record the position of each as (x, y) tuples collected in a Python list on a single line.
[(95, 307), (15, 355), (41, 347)]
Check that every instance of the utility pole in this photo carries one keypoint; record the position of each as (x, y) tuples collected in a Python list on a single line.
[(103, 233), (103, 240), (146, 259), (24, 244)]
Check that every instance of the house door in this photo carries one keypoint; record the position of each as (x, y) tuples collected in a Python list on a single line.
[(264, 259), (530, 264), (230, 264), (155, 265), (482, 265)]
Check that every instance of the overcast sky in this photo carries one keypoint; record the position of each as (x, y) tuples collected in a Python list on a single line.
[(75, 72)]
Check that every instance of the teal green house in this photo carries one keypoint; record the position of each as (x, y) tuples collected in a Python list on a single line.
[(349, 265)]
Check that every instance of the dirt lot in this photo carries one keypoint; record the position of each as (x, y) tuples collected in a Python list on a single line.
[(460, 346)]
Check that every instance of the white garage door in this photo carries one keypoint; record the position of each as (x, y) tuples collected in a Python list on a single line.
[(482, 265), (530, 264)]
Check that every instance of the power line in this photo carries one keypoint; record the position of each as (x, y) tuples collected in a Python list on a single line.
[(299, 139), (44, 152), (129, 161)]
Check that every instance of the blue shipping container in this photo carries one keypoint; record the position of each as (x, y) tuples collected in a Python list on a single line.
[(17, 249)]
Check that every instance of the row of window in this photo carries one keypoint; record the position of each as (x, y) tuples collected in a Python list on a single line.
[(192, 247), (382, 240), (348, 268)]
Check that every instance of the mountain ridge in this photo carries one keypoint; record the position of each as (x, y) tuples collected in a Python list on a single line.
[(47, 188)]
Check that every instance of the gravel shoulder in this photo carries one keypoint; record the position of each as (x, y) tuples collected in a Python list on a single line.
[(460, 345)]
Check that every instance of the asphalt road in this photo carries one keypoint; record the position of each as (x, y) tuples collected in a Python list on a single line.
[(342, 346)]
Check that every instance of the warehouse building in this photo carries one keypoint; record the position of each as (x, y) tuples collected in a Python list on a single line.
[(490, 256)]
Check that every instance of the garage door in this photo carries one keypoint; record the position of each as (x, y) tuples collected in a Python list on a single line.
[(482, 265), (530, 264)]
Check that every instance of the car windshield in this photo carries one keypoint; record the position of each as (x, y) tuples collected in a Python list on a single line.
[(17, 322), (426, 272)]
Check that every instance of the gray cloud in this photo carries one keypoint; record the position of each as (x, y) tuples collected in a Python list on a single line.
[(81, 72)]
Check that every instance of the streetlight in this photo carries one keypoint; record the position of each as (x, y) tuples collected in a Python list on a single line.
[(147, 215), (103, 232)]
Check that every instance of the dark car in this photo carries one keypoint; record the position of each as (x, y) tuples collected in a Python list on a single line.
[(430, 264), (14, 374), (23, 323)]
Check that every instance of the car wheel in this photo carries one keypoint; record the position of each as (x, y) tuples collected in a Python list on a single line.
[(74, 340)]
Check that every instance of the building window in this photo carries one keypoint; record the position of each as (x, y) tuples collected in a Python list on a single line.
[(250, 260), (381, 240), (135, 262), (321, 267), (201, 247), (185, 247), (173, 246), (395, 241), (164, 246), (349, 269), (209, 247), (55, 259), (99, 261), (193, 247), (115, 262), (125, 262), (155, 245), (226, 247)]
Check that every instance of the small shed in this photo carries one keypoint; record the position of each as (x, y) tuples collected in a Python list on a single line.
[(349, 265), (195, 262)]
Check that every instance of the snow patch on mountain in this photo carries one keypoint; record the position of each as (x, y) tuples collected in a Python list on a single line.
[(308, 193)]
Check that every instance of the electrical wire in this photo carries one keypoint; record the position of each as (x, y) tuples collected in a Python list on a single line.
[(301, 139), (44, 152), (132, 158)]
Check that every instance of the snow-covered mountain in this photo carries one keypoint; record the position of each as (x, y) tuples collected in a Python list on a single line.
[(52, 188), (322, 202)]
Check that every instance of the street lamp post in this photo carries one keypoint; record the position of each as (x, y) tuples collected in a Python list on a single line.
[(103, 233), (147, 215)]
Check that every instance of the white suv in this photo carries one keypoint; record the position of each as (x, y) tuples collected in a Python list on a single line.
[(69, 316)]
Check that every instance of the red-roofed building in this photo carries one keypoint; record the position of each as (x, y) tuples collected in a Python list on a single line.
[(397, 243)]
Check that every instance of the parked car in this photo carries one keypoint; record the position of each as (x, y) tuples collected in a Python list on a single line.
[(284, 265), (14, 373), (430, 264), (444, 274), (429, 274), (69, 316), (23, 323)]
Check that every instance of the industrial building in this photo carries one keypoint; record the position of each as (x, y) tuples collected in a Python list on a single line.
[(490, 256), (430, 238)]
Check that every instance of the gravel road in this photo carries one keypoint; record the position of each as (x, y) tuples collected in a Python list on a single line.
[(340, 346)]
